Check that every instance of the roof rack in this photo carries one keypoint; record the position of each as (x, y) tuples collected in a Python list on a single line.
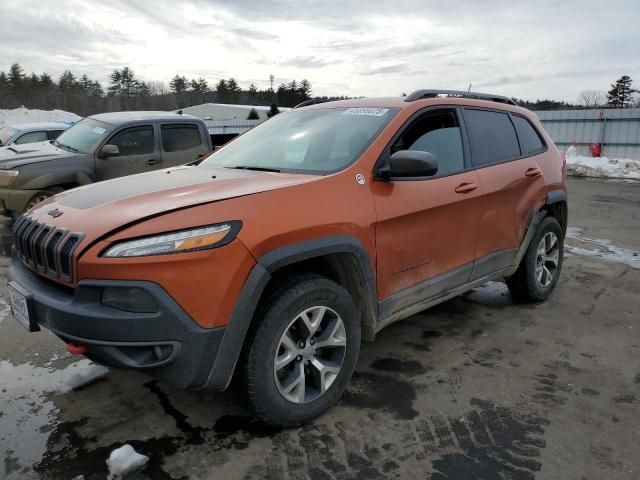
[(313, 101), (420, 94)]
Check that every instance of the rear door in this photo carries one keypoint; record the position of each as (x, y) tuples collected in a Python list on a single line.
[(427, 227), (139, 152), (511, 180), (182, 143)]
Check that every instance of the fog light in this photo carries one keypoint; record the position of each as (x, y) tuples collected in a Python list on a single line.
[(129, 299)]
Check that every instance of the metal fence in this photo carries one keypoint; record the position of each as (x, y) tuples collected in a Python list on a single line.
[(613, 132), (227, 127)]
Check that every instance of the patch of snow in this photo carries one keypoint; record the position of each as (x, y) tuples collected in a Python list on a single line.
[(604, 249), (603, 167), (28, 115), (29, 411), (125, 460), (5, 309)]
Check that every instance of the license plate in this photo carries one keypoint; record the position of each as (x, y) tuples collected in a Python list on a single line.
[(20, 308)]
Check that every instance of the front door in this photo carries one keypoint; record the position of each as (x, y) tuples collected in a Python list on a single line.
[(427, 228), (138, 153)]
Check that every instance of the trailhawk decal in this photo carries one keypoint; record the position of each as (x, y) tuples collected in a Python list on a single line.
[(374, 112)]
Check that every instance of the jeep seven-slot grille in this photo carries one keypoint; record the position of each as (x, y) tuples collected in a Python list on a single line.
[(44, 247)]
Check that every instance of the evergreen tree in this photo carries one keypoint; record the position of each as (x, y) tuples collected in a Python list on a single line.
[(15, 76), (67, 82), (621, 92), (253, 115), (273, 111)]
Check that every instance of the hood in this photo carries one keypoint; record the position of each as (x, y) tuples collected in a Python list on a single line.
[(17, 155), (99, 208)]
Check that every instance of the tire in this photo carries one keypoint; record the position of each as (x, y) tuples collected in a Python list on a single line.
[(539, 270), (294, 391), (41, 196)]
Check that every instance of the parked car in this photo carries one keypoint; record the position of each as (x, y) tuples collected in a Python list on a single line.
[(277, 254), (98, 148), (22, 133)]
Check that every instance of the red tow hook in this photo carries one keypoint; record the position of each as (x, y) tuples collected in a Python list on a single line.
[(76, 349)]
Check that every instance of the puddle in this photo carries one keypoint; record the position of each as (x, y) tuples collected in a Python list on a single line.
[(28, 414), (490, 294), (600, 248)]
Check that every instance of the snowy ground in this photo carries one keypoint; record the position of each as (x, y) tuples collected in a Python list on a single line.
[(24, 115), (603, 167)]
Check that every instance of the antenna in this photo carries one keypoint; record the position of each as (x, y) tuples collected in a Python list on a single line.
[(469, 89)]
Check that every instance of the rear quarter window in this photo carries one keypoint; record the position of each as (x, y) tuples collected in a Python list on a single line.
[(491, 136), (530, 141), (176, 138)]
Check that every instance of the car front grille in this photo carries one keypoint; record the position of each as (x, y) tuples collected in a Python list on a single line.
[(45, 248)]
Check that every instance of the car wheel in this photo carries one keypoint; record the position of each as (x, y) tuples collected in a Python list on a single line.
[(41, 196), (303, 351), (540, 267)]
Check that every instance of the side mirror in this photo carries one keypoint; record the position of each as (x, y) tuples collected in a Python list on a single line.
[(109, 151), (410, 163)]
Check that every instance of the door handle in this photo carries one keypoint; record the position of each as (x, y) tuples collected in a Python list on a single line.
[(533, 172), (152, 161), (466, 187)]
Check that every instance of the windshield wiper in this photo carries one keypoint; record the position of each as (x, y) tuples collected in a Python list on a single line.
[(67, 147), (257, 169)]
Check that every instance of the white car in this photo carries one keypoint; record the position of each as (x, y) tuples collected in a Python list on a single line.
[(22, 133)]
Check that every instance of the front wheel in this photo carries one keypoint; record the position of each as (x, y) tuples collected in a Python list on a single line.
[(41, 196), (538, 272), (304, 351)]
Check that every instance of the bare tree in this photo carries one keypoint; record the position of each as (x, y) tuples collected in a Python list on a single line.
[(592, 98)]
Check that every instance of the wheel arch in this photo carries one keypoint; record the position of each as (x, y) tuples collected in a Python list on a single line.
[(341, 258)]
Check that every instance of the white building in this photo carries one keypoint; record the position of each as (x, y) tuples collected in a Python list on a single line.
[(221, 112)]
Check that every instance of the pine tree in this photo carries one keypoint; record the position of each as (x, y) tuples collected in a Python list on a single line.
[(15, 75), (273, 111), (621, 92), (253, 115)]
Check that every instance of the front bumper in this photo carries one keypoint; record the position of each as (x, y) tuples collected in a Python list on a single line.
[(166, 344), (15, 200)]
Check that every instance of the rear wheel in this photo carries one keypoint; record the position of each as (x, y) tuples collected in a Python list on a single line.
[(303, 352), (540, 267)]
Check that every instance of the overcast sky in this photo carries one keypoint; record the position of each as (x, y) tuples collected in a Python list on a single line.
[(550, 49)]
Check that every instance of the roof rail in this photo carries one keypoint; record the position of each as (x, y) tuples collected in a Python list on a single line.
[(312, 101), (420, 94)]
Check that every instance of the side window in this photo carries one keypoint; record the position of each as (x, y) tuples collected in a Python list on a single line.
[(438, 133), (134, 141), (53, 134), (180, 137), (491, 136), (32, 137), (530, 141)]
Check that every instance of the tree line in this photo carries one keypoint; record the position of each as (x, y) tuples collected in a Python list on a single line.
[(85, 96), (621, 94)]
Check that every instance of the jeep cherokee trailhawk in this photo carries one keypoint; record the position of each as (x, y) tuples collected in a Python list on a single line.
[(274, 256)]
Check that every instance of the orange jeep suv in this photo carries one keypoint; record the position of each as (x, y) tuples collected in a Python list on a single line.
[(277, 254)]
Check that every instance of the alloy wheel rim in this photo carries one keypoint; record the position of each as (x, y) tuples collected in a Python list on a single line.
[(310, 354), (35, 201), (547, 259)]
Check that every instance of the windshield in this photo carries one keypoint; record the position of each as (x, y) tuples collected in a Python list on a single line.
[(6, 133), (306, 141), (83, 136)]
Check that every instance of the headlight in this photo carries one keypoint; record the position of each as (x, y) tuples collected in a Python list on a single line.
[(7, 177), (191, 240)]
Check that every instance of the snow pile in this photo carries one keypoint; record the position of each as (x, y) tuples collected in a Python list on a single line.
[(603, 167), (125, 460), (27, 115)]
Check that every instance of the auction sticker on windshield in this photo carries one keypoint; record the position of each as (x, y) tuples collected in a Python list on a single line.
[(372, 111)]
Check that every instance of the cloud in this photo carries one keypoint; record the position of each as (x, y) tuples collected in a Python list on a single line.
[(528, 49)]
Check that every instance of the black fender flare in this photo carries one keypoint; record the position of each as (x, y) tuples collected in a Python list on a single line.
[(259, 277)]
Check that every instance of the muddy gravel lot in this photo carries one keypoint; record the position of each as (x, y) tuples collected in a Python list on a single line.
[(476, 388)]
